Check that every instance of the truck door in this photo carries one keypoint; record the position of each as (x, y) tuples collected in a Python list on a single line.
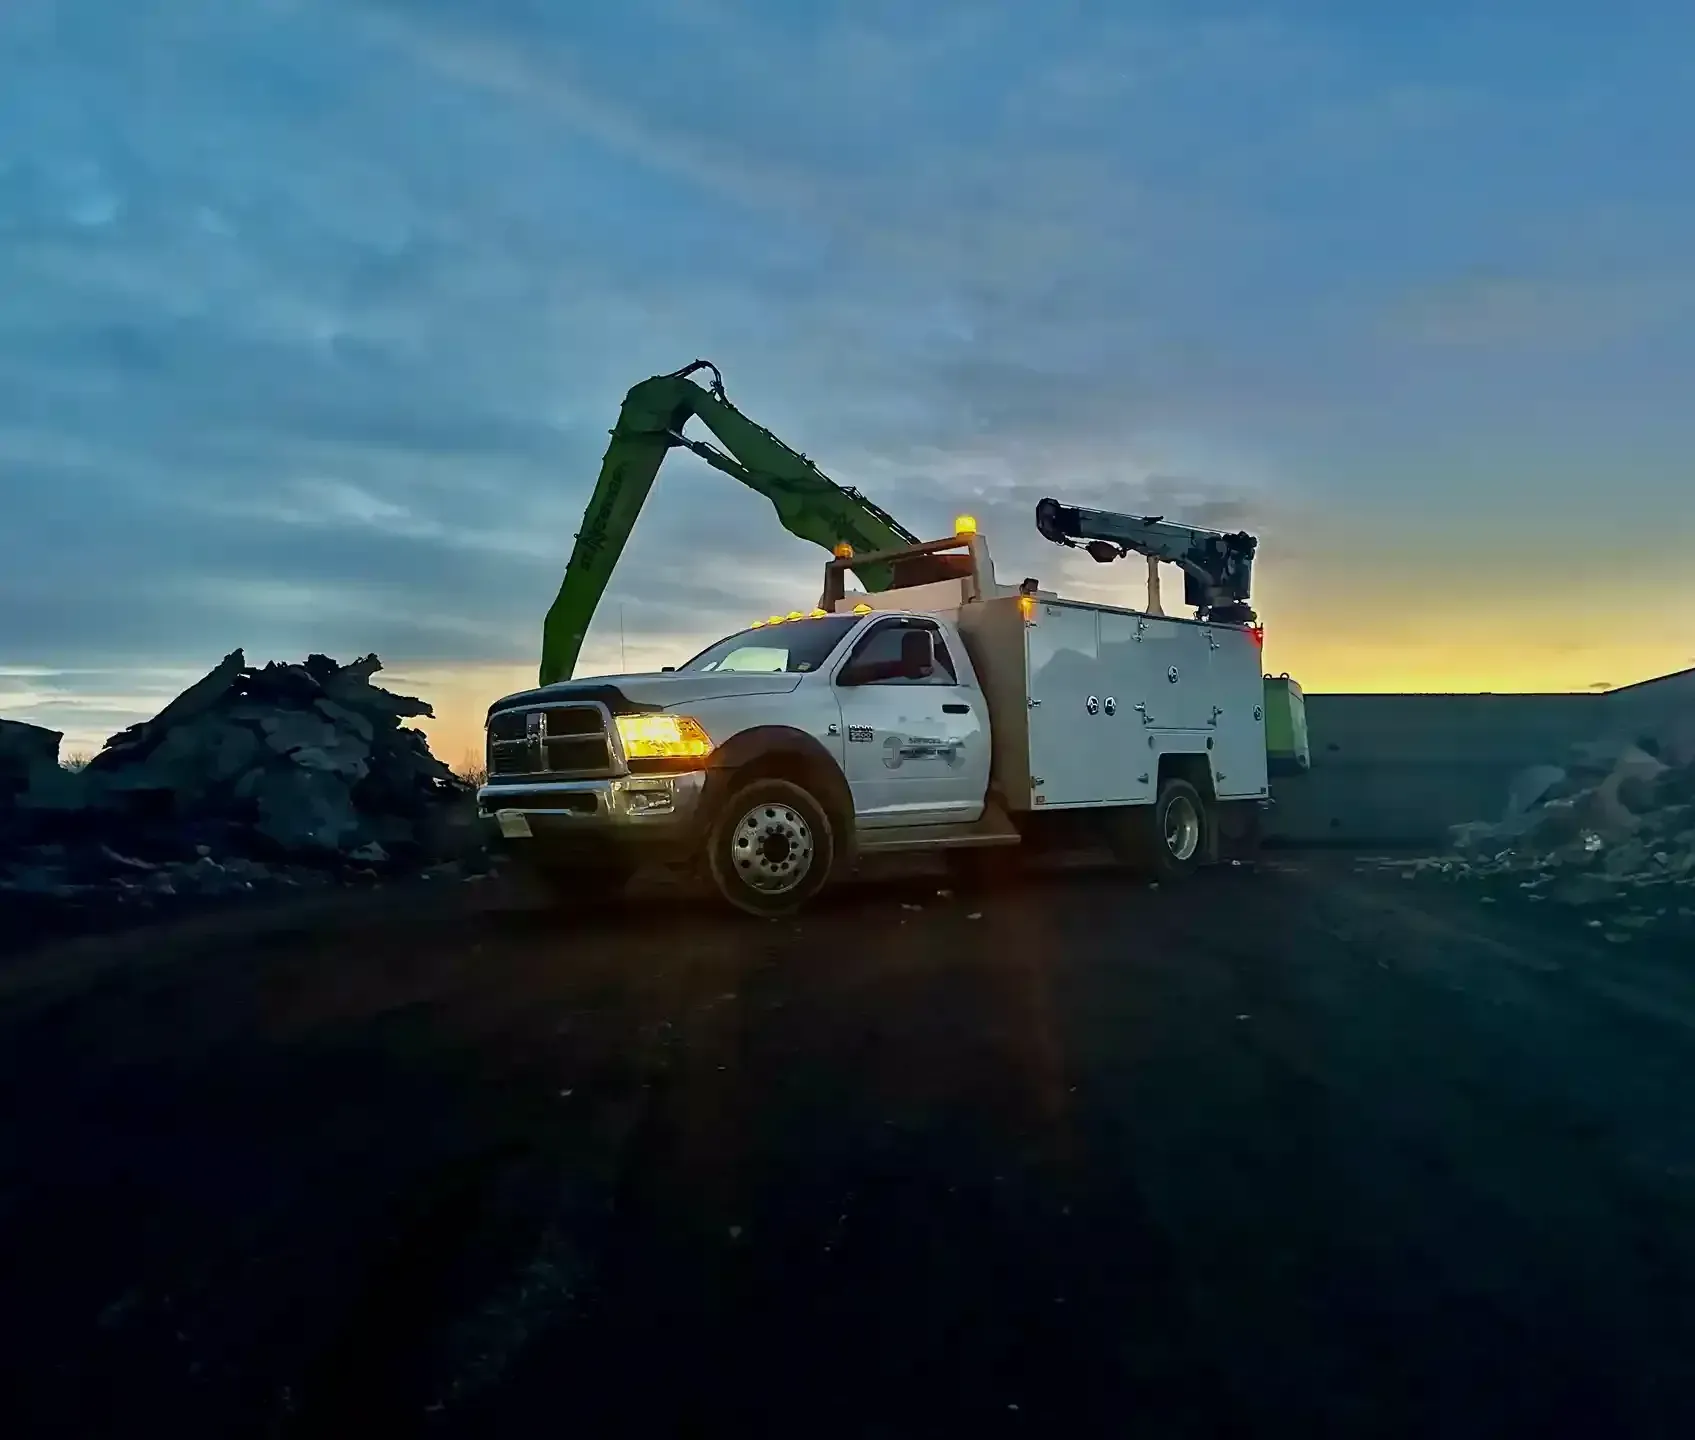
[(916, 748)]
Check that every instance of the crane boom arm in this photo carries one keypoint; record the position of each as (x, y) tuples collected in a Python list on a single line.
[(1217, 565), (650, 423)]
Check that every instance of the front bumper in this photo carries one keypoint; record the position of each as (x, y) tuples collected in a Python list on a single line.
[(643, 813)]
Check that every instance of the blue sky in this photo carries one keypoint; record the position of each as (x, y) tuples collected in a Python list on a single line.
[(314, 315)]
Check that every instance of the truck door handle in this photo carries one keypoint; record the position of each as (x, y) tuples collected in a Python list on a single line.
[(953, 709)]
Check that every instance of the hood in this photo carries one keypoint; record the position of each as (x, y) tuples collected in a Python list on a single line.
[(665, 689), (660, 690)]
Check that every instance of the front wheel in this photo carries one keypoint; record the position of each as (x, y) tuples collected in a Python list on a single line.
[(770, 847)]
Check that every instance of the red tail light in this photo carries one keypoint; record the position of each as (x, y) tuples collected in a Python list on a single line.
[(1258, 634)]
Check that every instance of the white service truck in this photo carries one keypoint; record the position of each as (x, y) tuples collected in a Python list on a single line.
[(948, 713)]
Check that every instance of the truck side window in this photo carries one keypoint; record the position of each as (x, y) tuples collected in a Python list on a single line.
[(880, 651)]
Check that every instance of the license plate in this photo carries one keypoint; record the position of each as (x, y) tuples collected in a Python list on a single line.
[(513, 825)]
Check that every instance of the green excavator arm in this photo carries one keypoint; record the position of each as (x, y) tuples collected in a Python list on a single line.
[(808, 503)]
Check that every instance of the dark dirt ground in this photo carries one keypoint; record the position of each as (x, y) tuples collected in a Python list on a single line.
[(1291, 1150)]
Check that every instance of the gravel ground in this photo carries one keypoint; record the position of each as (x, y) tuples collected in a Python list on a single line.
[(1295, 1149)]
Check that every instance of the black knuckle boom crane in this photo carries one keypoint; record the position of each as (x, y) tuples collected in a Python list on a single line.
[(1217, 566)]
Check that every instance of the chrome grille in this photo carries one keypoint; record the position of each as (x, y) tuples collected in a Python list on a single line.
[(562, 741)]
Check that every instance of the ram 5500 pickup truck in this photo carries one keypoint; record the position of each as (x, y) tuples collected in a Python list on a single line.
[(946, 713)]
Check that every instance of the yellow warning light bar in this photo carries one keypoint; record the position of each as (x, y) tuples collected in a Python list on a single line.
[(843, 551), (861, 609), (816, 614), (757, 625), (965, 525), (775, 620), (796, 615)]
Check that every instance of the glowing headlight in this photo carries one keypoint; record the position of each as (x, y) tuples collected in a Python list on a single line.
[(662, 737)]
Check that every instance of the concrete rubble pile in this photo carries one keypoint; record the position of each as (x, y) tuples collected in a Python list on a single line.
[(288, 774), (1610, 833)]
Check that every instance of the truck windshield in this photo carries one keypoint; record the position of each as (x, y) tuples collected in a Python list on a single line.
[(793, 648)]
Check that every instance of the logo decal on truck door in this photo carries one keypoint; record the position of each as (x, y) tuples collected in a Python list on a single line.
[(859, 734), (897, 751)]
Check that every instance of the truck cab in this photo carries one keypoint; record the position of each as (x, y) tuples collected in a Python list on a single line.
[(948, 713)]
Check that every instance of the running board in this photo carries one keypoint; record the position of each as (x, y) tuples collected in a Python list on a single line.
[(993, 829)]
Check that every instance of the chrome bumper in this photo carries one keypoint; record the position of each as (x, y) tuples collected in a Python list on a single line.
[(625, 807)]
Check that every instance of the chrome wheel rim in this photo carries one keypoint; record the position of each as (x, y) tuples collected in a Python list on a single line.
[(771, 848), (1182, 828)]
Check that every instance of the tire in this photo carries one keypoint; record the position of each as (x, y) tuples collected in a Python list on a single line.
[(1177, 831), (770, 847)]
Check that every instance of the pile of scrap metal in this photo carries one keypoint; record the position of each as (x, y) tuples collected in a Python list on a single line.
[(292, 773), (1611, 831)]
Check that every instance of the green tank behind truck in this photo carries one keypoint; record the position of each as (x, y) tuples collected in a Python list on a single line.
[(1286, 747)]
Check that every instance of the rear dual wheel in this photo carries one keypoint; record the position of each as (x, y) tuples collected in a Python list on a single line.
[(1176, 838), (1169, 838)]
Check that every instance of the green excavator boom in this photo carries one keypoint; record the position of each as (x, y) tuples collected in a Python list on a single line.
[(808, 503)]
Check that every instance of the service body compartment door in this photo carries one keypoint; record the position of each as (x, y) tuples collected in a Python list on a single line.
[(1239, 758), (1062, 649), (1126, 762), (1179, 664)]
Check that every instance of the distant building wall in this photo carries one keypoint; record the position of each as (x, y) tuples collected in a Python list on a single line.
[(1656, 707), (1401, 769)]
